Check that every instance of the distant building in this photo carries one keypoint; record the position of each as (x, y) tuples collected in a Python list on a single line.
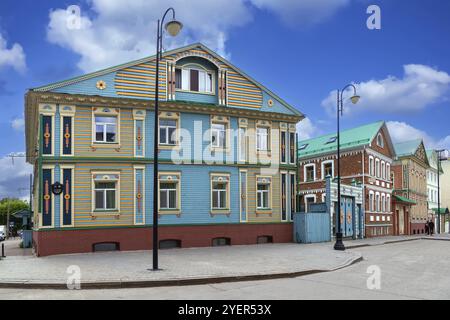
[(367, 155), (410, 181), (432, 182)]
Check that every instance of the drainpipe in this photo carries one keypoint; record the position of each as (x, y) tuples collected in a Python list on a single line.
[(363, 205)]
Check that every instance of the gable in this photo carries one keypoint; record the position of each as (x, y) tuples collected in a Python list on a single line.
[(136, 79), (385, 145), (421, 154)]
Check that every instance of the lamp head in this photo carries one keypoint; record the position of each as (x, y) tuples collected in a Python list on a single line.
[(173, 27), (355, 99)]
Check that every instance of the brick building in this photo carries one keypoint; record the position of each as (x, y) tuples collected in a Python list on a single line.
[(367, 154)]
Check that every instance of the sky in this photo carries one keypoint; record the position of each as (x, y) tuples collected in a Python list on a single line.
[(303, 50)]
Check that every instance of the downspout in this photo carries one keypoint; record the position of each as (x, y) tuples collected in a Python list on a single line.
[(363, 205)]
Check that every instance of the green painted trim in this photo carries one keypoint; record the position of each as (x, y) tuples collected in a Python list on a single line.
[(161, 225)]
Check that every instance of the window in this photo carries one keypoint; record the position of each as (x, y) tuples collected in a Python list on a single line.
[(218, 242), (292, 147), (377, 167), (105, 195), (310, 172), (218, 135), (242, 144), (262, 139), (383, 170), (377, 202), (380, 141), (371, 167), (388, 204), (303, 146), (219, 195), (263, 193), (308, 201), (196, 80), (327, 169), (105, 129), (383, 203), (283, 146), (371, 204), (168, 195), (388, 171), (167, 130)]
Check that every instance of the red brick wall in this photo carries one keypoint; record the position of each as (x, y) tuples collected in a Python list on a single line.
[(80, 241)]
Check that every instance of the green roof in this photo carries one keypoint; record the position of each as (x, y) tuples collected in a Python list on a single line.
[(441, 211), (403, 199), (407, 148), (351, 138)]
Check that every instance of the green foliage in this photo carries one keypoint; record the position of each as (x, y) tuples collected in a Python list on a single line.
[(14, 206)]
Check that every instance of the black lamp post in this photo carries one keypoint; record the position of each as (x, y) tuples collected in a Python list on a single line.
[(339, 245), (173, 27), (439, 158)]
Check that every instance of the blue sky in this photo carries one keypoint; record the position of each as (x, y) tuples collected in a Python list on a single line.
[(302, 50)]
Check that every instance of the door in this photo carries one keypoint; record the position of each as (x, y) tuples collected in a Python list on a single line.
[(347, 216), (401, 221)]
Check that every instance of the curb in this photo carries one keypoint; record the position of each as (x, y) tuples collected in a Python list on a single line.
[(119, 284), (381, 243)]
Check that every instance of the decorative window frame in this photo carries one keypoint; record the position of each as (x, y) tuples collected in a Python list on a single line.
[(241, 199), (105, 178), (169, 115), (268, 125), (64, 112), (371, 201), (371, 166), (383, 170), (292, 194), (377, 168), (388, 171), (243, 125), (377, 202), (292, 131), (227, 210), (220, 120), (46, 109), (314, 172), (107, 112), (322, 168), (284, 130), (72, 203), (380, 138), (136, 195), (264, 210), (309, 196), (285, 200), (383, 202), (139, 115), (172, 176), (41, 226), (199, 67)]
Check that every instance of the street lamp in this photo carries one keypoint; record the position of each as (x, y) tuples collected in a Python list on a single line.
[(173, 27), (339, 245), (439, 158)]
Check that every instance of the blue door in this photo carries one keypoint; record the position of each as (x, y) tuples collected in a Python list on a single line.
[(347, 216)]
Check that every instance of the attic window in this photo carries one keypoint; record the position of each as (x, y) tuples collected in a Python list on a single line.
[(303, 146), (331, 140), (194, 80), (380, 141)]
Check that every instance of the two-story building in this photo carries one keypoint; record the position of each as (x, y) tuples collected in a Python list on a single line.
[(410, 178), (366, 157), (227, 157)]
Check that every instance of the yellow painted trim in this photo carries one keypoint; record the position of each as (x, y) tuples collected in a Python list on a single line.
[(113, 212), (178, 209), (270, 193), (218, 174)]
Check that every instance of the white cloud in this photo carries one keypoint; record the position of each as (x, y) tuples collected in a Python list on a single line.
[(420, 87), (306, 129), (401, 131), (112, 32), (305, 12), (13, 57), (18, 124), (14, 177)]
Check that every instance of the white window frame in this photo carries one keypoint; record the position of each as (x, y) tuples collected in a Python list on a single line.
[(225, 209), (167, 194), (259, 136), (177, 182), (380, 138), (186, 87), (383, 170), (371, 166), (388, 203), (167, 128), (105, 125), (116, 196), (309, 196), (388, 171), (377, 168), (259, 193), (371, 201), (314, 172), (323, 168), (377, 202), (383, 202)]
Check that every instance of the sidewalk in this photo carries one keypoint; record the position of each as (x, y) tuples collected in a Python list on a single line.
[(352, 244), (179, 266)]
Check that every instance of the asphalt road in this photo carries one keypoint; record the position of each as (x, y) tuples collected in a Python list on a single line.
[(407, 270)]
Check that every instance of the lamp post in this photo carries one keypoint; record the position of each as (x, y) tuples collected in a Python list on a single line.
[(339, 245), (173, 27), (439, 158)]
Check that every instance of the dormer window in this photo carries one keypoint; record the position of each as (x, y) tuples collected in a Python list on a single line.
[(194, 80), (331, 140), (380, 141)]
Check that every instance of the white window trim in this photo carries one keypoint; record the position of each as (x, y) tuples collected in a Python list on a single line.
[(371, 166), (67, 114), (372, 202), (226, 122), (323, 168), (379, 135), (226, 210), (198, 67), (107, 212), (267, 136), (309, 196), (314, 172), (176, 211), (261, 209), (105, 112), (377, 168)]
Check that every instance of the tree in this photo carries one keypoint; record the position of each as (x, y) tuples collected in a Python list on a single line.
[(14, 206)]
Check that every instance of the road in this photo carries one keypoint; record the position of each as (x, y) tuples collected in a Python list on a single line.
[(408, 270)]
